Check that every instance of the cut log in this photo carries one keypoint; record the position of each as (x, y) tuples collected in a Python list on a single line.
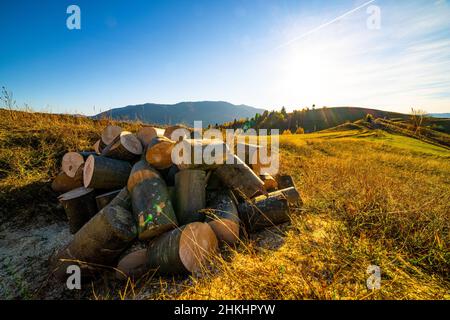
[(177, 133), (146, 134), (79, 205), (63, 183), (190, 193), (240, 178), (72, 161), (264, 212), (123, 199), (109, 134), (105, 173), (150, 200), (169, 175), (222, 215), (99, 242), (202, 154), (127, 147), (134, 265), (183, 250), (285, 181), (96, 147), (159, 152), (291, 194), (270, 184), (214, 183), (104, 199)]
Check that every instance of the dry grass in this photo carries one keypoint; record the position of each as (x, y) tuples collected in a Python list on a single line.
[(369, 199)]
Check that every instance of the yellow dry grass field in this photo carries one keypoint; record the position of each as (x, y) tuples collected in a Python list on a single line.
[(370, 198)]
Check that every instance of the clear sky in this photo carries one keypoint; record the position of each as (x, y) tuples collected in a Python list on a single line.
[(261, 53)]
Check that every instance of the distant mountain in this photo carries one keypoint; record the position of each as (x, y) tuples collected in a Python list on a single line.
[(439, 115), (210, 112)]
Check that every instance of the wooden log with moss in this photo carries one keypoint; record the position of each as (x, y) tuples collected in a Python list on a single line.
[(105, 173), (125, 147), (98, 243), (190, 190), (263, 212), (150, 201), (222, 215), (159, 153), (240, 178), (79, 205), (183, 250)]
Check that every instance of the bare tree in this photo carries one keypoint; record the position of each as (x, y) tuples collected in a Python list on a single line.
[(417, 117)]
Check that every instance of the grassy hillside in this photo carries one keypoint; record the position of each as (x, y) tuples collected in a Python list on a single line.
[(370, 198)]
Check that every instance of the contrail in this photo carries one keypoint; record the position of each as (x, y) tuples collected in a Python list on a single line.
[(324, 25)]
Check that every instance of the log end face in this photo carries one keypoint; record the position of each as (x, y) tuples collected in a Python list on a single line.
[(198, 245), (88, 171), (133, 265), (226, 230)]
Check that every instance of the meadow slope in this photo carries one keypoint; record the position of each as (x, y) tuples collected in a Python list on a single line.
[(370, 198)]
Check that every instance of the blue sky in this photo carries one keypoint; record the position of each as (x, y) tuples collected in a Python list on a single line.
[(262, 53)]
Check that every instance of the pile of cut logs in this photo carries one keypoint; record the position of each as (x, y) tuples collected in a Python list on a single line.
[(128, 190)]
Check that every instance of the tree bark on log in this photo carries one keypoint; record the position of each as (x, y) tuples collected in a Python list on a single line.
[(190, 190), (109, 134), (252, 155), (264, 212), (104, 199), (201, 154), (63, 183), (159, 152), (146, 134), (182, 132), (222, 215), (169, 175), (99, 242), (127, 147), (151, 202), (79, 205), (123, 199), (105, 173), (240, 178), (183, 250), (72, 161)]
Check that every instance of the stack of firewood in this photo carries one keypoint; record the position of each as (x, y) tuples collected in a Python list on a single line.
[(129, 190)]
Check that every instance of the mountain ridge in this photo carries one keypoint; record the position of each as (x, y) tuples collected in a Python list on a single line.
[(186, 112)]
